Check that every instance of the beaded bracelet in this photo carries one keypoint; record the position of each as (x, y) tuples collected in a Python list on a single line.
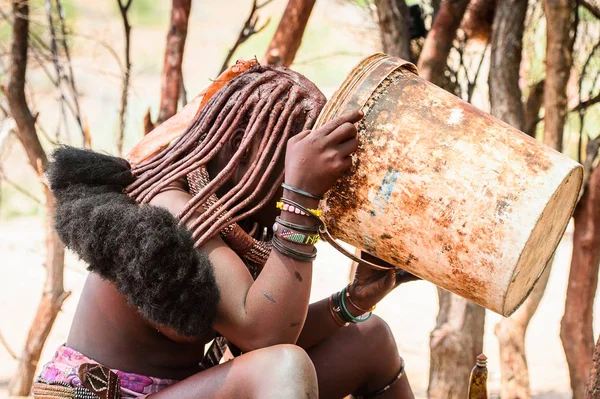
[(296, 210), (301, 192), (302, 208), (295, 236)]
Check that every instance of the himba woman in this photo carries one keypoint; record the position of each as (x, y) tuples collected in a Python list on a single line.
[(212, 239)]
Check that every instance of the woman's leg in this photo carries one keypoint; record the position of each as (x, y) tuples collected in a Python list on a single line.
[(281, 371), (359, 359)]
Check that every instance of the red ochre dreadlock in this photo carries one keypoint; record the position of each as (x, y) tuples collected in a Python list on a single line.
[(273, 102)]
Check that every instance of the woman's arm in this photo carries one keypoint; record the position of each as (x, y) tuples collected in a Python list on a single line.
[(272, 309)]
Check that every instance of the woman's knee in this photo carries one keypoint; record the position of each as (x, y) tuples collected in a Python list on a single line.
[(287, 371), (377, 335)]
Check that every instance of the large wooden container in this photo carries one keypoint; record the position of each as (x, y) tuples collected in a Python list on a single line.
[(446, 191)]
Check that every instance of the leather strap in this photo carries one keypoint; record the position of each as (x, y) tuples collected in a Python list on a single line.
[(328, 237)]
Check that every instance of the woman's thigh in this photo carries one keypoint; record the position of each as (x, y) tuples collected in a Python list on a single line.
[(281, 371), (361, 358)]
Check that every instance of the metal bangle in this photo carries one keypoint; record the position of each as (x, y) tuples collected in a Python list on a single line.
[(301, 192), (362, 318), (295, 226), (354, 303), (338, 320), (284, 249)]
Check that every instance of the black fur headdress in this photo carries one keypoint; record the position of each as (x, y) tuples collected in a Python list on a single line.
[(140, 248)]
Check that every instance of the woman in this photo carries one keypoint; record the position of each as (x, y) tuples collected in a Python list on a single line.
[(215, 238)]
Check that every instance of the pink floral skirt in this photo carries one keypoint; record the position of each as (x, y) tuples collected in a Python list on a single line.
[(66, 361)]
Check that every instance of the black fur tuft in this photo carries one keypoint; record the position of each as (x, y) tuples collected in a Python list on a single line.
[(78, 166), (140, 248)]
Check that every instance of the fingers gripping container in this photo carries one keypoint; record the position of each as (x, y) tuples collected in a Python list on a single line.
[(446, 191)]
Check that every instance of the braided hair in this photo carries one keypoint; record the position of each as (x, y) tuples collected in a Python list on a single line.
[(273, 102)]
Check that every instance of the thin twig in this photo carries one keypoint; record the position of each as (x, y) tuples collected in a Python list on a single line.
[(8, 349), (182, 92), (328, 55), (593, 9), (249, 29), (54, 50), (19, 188), (580, 111), (123, 8), (471, 85), (71, 77)]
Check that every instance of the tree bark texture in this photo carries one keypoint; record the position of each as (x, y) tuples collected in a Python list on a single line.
[(288, 36), (438, 43), (394, 27), (478, 19), (511, 338), (15, 92), (172, 72), (593, 385), (559, 23), (54, 293), (534, 102), (507, 43), (50, 305), (576, 327), (454, 343)]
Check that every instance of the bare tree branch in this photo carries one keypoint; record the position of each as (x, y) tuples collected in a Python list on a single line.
[(59, 74), (54, 294), (172, 76), (247, 31), (438, 42), (71, 78), (20, 189), (593, 9), (288, 36), (124, 8), (7, 347), (393, 19)]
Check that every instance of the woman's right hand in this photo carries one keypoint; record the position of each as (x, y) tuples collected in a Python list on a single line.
[(315, 159)]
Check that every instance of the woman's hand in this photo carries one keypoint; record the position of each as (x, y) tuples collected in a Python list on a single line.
[(315, 159), (371, 285)]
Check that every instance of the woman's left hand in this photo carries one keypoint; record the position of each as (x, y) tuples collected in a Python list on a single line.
[(371, 285)]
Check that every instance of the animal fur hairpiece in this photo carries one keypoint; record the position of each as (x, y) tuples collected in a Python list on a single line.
[(142, 249)]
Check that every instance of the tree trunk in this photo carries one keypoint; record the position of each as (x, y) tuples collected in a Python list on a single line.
[(438, 43), (455, 343), (49, 307), (511, 338), (288, 36), (15, 92), (54, 294), (593, 385), (507, 43), (478, 19), (172, 72), (576, 327), (394, 27), (559, 59), (532, 107)]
